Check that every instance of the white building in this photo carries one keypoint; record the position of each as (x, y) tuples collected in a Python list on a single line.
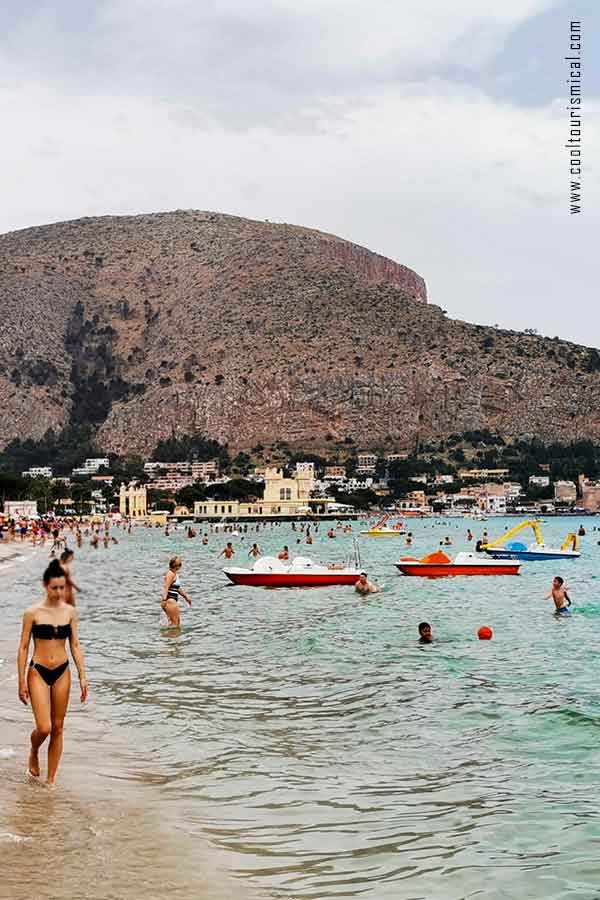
[(367, 463), (38, 472), (92, 466), (171, 482), (197, 471), (205, 471), (443, 479), (539, 481), (512, 490), (493, 503), (17, 508)]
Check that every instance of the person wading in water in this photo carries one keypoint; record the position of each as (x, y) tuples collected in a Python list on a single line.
[(46, 682)]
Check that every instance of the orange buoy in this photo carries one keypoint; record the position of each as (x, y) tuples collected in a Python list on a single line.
[(485, 633)]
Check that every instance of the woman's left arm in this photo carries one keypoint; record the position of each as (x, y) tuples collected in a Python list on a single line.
[(77, 654)]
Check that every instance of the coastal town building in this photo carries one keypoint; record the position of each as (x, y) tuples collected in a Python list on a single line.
[(512, 489), (334, 473), (206, 471), (132, 502), (173, 476), (416, 498), (494, 503), (565, 491), (539, 481), (37, 472), (590, 493), (367, 463), (92, 466), (170, 483), (18, 508), (282, 497), (480, 474)]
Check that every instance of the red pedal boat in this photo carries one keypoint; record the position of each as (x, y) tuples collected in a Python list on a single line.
[(438, 565), (300, 572)]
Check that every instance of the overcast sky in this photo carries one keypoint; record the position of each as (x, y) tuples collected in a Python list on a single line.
[(432, 132)]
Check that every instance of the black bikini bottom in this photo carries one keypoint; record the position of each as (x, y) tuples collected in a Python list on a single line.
[(50, 675)]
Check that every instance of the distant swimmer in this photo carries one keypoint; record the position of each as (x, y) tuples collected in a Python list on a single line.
[(227, 551), (66, 559), (309, 539), (46, 682), (408, 539), (205, 539), (331, 533), (469, 534), (254, 551), (425, 635), (172, 590), (364, 586), (285, 553), (558, 593), (581, 531)]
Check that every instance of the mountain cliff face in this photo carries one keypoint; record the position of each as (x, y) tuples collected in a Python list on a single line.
[(252, 332)]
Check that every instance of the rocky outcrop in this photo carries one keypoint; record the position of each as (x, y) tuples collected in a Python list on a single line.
[(251, 332)]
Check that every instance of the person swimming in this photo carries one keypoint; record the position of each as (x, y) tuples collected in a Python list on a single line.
[(425, 635), (558, 593)]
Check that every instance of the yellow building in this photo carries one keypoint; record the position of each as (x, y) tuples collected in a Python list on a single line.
[(132, 502), (282, 497)]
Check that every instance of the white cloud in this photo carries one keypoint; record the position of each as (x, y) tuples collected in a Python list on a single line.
[(471, 193)]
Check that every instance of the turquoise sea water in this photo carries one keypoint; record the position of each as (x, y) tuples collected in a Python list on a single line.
[(308, 739)]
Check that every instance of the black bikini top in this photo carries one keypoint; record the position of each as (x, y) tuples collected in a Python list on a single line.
[(44, 632)]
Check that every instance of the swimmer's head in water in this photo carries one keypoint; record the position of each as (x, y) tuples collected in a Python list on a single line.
[(175, 563), (425, 632)]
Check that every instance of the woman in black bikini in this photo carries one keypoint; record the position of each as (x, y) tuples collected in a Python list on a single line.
[(47, 680)]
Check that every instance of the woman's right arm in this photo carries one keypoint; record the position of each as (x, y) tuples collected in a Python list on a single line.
[(22, 655), (169, 579)]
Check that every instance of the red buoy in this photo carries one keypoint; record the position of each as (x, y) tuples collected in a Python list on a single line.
[(485, 633)]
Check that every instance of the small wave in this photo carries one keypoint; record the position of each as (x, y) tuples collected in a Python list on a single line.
[(6, 753), (8, 837)]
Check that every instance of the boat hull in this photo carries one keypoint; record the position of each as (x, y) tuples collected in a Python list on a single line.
[(450, 571), (531, 555), (288, 579)]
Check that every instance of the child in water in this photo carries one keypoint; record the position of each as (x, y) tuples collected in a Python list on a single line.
[(562, 601)]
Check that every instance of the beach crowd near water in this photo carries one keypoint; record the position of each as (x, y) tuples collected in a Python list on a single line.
[(51, 621)]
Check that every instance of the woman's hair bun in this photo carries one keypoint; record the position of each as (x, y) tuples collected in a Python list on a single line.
[(54, 570)]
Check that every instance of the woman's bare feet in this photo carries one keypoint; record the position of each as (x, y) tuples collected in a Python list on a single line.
[(33, 766)]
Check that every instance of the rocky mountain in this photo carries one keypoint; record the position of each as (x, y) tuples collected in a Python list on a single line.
[(252, 332)]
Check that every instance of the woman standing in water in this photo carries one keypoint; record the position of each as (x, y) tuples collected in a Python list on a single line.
[(172, 591), (47, 680), (66, 559)]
